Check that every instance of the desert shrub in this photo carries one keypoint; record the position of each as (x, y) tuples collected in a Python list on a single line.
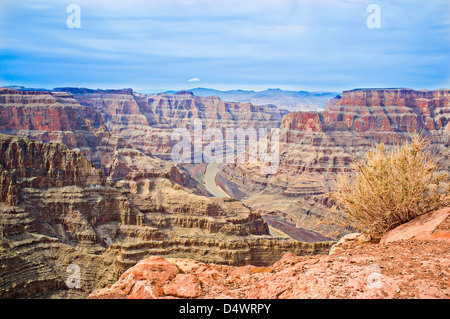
[(390, 187)]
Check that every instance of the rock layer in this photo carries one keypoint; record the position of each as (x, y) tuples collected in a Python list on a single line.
[(405, 269), (59, 117), (60, 218), (146, 121), (316, 146)]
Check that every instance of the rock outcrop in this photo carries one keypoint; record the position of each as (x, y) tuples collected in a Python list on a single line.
[(389, 111), (431, 226), (409, 268)]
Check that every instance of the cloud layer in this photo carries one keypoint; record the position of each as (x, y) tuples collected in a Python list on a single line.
[(253, 44)]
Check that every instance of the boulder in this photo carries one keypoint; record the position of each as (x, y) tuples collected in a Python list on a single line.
[(143, 281), (348, 240), (431, 226)]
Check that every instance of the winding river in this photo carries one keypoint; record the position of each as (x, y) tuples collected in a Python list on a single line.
[(209, 180)]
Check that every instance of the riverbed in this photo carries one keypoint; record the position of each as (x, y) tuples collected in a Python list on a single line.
[(209, 180)]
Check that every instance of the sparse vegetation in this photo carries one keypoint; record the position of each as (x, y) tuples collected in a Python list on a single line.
[(390, 187)]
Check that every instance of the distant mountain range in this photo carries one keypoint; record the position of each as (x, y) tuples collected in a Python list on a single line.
[(22, 88), (289, 100)]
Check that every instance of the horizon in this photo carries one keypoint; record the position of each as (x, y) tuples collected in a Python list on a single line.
[(294, 45), (169, 91)]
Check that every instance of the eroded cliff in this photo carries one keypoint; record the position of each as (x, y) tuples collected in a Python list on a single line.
[(60, 219), (316, 146), (59, 117), (146, 121)]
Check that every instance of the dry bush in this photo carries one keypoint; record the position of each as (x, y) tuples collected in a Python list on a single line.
[(390, 187)]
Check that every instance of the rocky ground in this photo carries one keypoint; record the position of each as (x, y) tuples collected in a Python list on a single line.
[(410, 263), (406, 269)]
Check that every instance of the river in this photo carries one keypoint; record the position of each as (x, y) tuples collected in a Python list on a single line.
[(209, 180)]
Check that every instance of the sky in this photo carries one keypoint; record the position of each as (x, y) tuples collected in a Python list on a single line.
[(158, 45)]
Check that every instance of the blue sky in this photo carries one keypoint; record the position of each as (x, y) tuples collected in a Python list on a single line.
[(157, 45)]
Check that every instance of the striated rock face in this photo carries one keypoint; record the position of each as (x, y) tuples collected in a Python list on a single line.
[(59, 117), (389, 110), (60, 218), (146, 121), (326, 142), (405, 269), (47, 221), (43, 111), (50, 117), (314, 147), (31, 164), (304, 121), (120, 131)]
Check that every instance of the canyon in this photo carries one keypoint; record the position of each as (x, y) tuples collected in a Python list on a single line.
[(58, 117), (87, 179), (316, 146), (76, 196), (58, 210), (411, 262), (147, 121), (122, 131)]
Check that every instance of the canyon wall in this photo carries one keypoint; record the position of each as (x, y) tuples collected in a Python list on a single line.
[(146, 121), (60, 218), (59, 117), (316, 146), (122, 132)]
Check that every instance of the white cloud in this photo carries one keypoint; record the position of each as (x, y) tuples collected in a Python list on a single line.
[(194, 80)]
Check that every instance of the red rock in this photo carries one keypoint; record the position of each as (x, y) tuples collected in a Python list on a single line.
[(407, 269), (436, 235), (146, 121), (423, 227), (59, 117), (183, 286), (143, 281), (44, 111), (388, 110), (302, 121), (250, 270)]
